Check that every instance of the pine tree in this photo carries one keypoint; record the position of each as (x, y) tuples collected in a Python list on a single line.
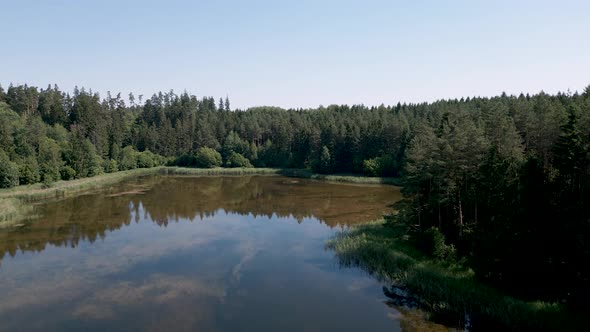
[(571, 153), (227, 108)]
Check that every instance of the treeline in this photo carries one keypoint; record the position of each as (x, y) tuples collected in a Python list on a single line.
[(48, 134), (501, 181), (504, 183)]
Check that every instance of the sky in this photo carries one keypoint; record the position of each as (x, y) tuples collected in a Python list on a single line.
[(299, 53)]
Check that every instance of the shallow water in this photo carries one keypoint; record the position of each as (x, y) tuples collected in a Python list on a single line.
[(194, 253)]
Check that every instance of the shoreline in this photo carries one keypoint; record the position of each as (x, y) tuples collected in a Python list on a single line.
[(287, 172), (442, 288), (15, 202)]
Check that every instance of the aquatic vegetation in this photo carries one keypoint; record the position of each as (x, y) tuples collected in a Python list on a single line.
[(449, 287)]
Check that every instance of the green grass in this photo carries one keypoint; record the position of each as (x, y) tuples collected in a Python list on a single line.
[(16, 202), (12, 210), (218, 171), (349, 178), (384, 251), (65, 188)]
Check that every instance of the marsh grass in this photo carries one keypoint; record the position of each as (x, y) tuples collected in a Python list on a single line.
[(185, 171), (384, 251), (12, 210), (16, 203), (348, 178), (58, 189)]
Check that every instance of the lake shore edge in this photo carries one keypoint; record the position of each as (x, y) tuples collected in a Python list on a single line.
[(16, 202), (442, 288)]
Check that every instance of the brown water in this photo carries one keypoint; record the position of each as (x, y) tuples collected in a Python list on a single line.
[(194, 254)]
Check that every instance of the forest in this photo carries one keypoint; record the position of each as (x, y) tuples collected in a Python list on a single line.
[(502, 182)]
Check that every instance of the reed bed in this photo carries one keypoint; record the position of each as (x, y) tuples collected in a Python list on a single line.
[(384, 251)]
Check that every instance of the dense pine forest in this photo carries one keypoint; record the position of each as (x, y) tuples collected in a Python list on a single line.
[(502, 183)]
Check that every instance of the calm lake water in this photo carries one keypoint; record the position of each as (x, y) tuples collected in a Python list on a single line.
[(194, 254)]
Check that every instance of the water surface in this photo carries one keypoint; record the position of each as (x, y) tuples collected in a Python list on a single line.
[(194, 253)]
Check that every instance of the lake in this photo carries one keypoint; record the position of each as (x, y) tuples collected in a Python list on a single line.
[(194, 253)]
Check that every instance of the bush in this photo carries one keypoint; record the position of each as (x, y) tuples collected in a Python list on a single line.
[(237, 160), (110, 166), (380, 166), (67, 173), (207, 158), (8, 172), (186, 160), (372, 167), (28, 171), (435, 246), (146, 159), (128, 159)]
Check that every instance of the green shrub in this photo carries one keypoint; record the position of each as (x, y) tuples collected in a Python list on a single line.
[(435, 246), (67, 173), (207, 158), (28, 171), (146, 159), (380, 166), (110, 166), (128, 159), (186, 160), (372, 167), (237, 160), (9, 172)]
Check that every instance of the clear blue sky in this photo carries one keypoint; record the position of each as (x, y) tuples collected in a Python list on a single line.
[(299, 53)]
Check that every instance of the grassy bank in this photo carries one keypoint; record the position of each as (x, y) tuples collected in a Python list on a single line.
[(65, 188), (16, 202), (348, 178), (384, 251), (186, 171)]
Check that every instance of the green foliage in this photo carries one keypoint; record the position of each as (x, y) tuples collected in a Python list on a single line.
[(233, 143), (571, 152), (207, 158), (128, 158), (91, 160), (28, 171), (67, 173), (186, 160), (324, 164), (380, 166), (237, 160), (82, 156), (146, 159), (49, 160), (58, 133), (445, 288), (372, 167), (252, 152), (110, 166), (9, 172), (434, 245)]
